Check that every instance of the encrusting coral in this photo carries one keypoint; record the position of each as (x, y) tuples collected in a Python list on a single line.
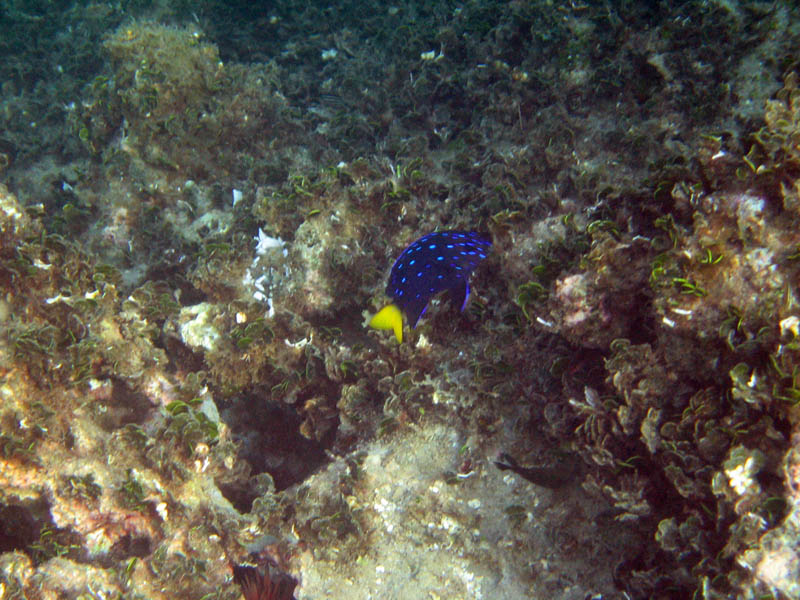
[(700, 412), (187, 382)]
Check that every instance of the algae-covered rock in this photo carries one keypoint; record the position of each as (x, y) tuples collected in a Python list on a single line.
[(597, 305), (186, 381), (770, 558), (15, 224)]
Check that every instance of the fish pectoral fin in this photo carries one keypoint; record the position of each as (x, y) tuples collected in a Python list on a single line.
[(415, 308), (505, 462), (459, 294), (389, 317)]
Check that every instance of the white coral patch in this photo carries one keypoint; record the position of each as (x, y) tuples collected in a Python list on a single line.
[(196, 329)]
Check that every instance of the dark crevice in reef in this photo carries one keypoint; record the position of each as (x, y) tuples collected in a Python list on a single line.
[(18, 528), (181, 357), (27, 528), (270, 442), (123, 407), (127, 547)]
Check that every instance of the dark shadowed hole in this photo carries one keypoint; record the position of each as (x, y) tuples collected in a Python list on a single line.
[(269, 434), (28, 528), (181, 357), (18, 528), (124, 406), (127, 547)]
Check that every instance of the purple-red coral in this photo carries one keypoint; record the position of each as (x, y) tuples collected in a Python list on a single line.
[(266, 586)]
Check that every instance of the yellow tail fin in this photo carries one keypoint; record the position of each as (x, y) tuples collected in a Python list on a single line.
[(389, 317)]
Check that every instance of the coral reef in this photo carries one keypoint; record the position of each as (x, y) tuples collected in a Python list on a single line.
[(199, 210)]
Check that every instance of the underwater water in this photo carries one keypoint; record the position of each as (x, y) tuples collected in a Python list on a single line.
[(584, 380)]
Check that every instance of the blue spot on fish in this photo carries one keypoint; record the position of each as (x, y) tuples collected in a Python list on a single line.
[(446, 267)]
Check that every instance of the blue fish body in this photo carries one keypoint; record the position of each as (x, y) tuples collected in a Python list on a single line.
[(438, 261)]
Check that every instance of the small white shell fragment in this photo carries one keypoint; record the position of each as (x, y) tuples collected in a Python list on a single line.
[(790, 324), (264, 243)]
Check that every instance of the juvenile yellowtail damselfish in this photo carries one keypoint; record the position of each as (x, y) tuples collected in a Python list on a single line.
[(438, 261)]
